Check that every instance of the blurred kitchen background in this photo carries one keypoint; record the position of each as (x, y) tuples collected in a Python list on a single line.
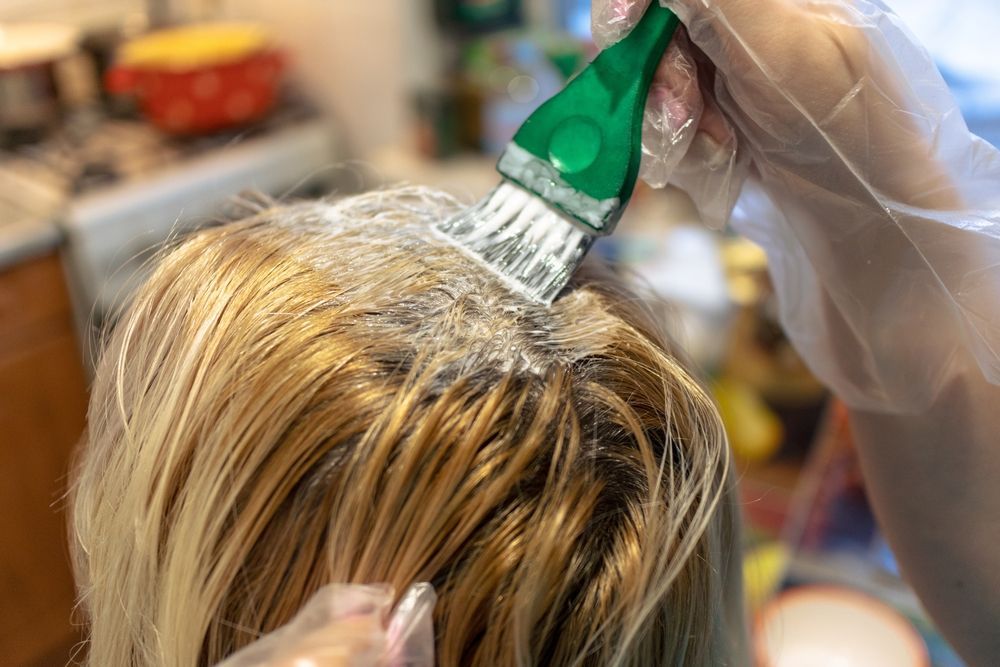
[(115, 137)]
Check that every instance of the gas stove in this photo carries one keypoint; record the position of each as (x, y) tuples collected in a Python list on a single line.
[(92, 151), (117, 189)]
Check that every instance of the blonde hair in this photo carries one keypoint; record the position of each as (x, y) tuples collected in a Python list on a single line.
[(328, 393)]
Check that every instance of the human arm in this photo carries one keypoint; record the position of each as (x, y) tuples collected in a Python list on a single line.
[(880, 215), (934, 482)]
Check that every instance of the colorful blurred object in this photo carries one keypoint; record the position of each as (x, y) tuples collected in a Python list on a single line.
[(755, 432), (503, 79), (190, 47), (833, 541), (30, 97), (764, 569), (200, 78), (761, 358), (829, 626), (478, 16)]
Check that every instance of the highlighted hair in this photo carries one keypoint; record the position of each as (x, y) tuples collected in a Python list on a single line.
[(328, 393)]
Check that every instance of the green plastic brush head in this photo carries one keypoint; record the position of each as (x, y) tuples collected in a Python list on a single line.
[(570, 170), (581, 150)]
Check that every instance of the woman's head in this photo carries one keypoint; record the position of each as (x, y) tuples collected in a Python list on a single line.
[(329, 393)]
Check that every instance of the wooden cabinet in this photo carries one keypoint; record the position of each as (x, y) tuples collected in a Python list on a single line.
[(42, 408)]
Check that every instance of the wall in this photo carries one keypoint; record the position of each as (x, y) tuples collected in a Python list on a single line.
[(358, 57), (361, 59), (81, 12), (365, 57)]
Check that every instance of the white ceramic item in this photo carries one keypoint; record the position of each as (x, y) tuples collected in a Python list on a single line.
[(826, 626)]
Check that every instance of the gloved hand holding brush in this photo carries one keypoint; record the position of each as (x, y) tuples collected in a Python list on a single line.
[(880, 215), (865, 165)]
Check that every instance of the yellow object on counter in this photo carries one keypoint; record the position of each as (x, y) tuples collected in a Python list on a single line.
[(754, 431), (763, 571), (195, 46)]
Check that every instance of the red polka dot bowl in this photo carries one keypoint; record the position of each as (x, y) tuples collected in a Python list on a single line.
[(200, 79)]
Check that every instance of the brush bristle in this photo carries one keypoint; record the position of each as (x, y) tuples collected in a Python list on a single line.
[(530, 245)]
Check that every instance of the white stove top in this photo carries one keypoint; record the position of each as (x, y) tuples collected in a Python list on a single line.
[(91, 152), (116, 190)]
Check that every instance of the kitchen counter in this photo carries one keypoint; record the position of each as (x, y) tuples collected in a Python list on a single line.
[(28, 218), (26, 238)]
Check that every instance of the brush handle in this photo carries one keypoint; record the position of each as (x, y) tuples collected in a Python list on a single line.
[(591, 132)]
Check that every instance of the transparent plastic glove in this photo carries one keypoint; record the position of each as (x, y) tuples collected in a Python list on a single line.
[(350, 626), (686, 139), (879, 211), (880, 215)]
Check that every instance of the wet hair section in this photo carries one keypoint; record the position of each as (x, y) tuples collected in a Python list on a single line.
[(329, 392)]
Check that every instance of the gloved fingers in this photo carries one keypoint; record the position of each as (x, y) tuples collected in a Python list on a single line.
[(350, 626), (712, 174), (683, 63), (611, 20), (674, 112), (686, 139), (674, 109), (713, 122), (349, 642), (714, 166)]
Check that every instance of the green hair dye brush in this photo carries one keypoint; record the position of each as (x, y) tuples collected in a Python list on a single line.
[(571, 169)]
